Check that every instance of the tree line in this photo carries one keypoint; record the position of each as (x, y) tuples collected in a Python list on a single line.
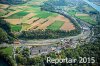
[(6, 35), (47, 34), (7, 59)]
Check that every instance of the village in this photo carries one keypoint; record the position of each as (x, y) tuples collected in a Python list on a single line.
[(37, 49)]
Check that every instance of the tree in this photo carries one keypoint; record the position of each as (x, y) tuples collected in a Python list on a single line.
[(3, 36), (21, 60), (5, 26), (8, 59), (5, 32)]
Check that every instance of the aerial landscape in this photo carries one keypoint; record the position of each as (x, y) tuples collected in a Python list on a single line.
[(49, 33)]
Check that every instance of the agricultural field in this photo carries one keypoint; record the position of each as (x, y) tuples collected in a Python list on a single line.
[(82, 16), (97, 3), (87, 19), (4, 9), (56, 25), (30, 17), (44, 14), (72, 12), (36, 2), (18, 15), (16, 28)]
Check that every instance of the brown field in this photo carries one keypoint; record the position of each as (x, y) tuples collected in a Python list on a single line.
[(31, 20), (13, 21), (29, 16), (46, 24), (38, 2), (36, 24), (4, 6), (67, 25), (81, 14), (1, 10), (22, 7), (12, 13), (33, 23), (25, 18)]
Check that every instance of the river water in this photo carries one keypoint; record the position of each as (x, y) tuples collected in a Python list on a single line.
[(93, 5)]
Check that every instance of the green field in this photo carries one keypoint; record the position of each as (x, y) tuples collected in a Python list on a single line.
[(25, 26), (1, 14), (56, 25), (72, 12), (16, 28), (7, 50), (24, 12), (45, 14), (87, 19), (18, 15), (31, 8)]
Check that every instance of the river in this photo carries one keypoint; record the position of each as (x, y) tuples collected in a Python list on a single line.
[(93, 5)]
